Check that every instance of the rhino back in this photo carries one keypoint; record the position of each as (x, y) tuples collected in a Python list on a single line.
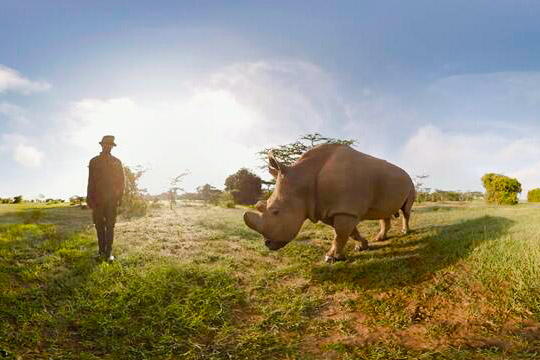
[(354, 183)]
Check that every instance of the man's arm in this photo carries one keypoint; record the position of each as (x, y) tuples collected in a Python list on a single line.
[(120, 182), (90, 192)]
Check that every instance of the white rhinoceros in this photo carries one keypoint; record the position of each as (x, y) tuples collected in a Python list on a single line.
[(337, 185)]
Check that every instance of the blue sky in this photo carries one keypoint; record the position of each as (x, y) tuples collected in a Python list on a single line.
[(450, 89)]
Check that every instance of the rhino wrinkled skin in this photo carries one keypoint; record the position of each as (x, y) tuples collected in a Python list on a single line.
[(337, 185)]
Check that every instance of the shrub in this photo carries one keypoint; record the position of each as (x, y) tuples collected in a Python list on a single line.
[(17, 199), (156, 204), (134, 203), (226, 200), (500, 189), (533, 195)]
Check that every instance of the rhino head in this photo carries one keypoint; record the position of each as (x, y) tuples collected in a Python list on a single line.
[(280, 218)]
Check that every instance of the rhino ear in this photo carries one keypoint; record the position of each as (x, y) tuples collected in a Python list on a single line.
[(274, 166), (273, 171)]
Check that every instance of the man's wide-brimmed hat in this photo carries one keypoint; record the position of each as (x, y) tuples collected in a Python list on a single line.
[(108, 139)]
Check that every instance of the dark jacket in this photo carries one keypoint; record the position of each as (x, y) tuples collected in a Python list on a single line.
[(105, 180)]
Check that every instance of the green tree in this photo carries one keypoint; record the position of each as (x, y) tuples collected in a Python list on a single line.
[(533, 195), (501, 189), (209, 194), (244, 186), (18, 199)]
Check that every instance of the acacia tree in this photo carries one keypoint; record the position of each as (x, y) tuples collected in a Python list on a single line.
[(173, 190), (421, 191), (287, 154), (244, 186)]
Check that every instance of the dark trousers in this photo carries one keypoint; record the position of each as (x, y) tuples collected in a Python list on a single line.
[(104, 217)]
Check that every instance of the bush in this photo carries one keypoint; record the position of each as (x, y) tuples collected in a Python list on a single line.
[(156, 204), (533, 195), (134, 204), (133, 207), (500, 189), (17, 199), (226, 200)]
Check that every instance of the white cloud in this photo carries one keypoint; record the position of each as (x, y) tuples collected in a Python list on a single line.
[(508, 101), (23, 153), (28, 156), (12, 80), (200, 134), (457, 160), (14, 113), (290, 97)]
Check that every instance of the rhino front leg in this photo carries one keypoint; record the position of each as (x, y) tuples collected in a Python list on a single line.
[(344, 225), (385, 226), (363, 242)]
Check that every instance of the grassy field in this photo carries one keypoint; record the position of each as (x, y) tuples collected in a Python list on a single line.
[(196, 283)]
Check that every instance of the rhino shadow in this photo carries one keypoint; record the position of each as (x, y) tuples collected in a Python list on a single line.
[(409, 262)]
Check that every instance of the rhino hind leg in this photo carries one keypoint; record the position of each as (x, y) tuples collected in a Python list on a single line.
[(406, 210), (405, 227), (385, 226), (344, 225), (363, 243)]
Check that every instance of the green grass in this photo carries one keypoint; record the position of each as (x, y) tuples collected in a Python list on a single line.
[(196, 283)]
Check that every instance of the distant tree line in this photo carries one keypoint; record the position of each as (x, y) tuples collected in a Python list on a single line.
[(449, 195), (14, 200)]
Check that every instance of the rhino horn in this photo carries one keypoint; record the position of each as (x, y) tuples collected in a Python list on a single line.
[(253, 221)]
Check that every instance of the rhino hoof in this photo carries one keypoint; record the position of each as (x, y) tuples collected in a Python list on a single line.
[(332, 259), (359, 248)]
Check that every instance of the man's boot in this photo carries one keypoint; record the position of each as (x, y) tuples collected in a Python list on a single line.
[(101, 241), (109, 235)]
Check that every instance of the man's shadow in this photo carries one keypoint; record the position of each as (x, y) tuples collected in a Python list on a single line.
[(401, 263)]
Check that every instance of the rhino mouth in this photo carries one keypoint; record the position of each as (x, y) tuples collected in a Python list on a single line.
[(273, 245)]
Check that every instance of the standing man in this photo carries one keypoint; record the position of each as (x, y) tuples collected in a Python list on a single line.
[(105, 191)]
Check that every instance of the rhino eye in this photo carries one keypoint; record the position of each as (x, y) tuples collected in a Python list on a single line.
[(275, 212)]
